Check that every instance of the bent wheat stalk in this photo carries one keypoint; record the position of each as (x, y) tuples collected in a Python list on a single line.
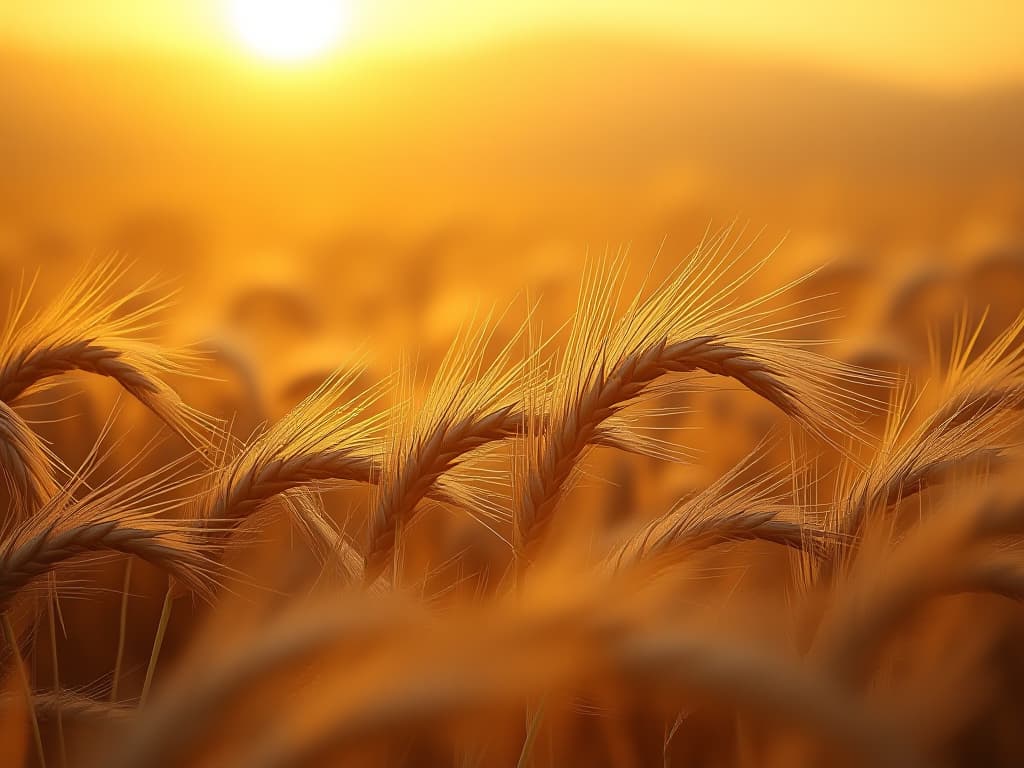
[(329, 436), (87, 329), (90, 330), (726, 511), (983, 402), (165, 547), (471, 404), (417, 478), (579, 424), (693, 322), (123, 515), (943, 556), (325, 438)]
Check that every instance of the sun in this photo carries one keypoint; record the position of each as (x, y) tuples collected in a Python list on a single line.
[(290, 30)]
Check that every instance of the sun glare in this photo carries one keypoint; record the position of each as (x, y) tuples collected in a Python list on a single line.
[(290, 30)]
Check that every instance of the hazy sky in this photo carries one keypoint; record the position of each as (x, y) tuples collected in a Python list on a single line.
[(935, 42)]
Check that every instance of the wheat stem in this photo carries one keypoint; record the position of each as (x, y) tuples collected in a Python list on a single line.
[(85, 330), (51, 598), (158, 641), (19, 663), (532, 729), (122, 630)]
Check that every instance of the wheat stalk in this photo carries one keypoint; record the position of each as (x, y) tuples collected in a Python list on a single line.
[(330, 436), (694, 322), (122, 515), (324, 438), (245, 491), (88, 329), (728, 510), (983, 402), (41, 554), (416, 478), (383, 665), (579, 426), (471, 403), (944, 556)]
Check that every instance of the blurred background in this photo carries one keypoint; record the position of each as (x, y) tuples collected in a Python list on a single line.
[(326, 179), (319, 174)]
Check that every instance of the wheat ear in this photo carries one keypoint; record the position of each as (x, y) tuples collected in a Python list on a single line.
[(943, 556), (122, 515), (325, 438), (471, 403), (417, 477), (330, 436), (89, 329), (693, 322), (983, 401), (728, 510), (164, 548)]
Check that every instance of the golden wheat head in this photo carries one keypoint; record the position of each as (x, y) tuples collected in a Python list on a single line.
[(696, 321), (94, 328)]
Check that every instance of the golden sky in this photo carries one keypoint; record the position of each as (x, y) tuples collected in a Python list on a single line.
[(944, 43)]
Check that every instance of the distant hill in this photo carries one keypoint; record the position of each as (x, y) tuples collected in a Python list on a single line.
[(542, 113)]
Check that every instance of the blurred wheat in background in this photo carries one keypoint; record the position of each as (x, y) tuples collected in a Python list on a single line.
[(400, 383)]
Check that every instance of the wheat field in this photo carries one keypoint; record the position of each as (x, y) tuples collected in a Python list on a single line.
[(569, 396), (432, 567)]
